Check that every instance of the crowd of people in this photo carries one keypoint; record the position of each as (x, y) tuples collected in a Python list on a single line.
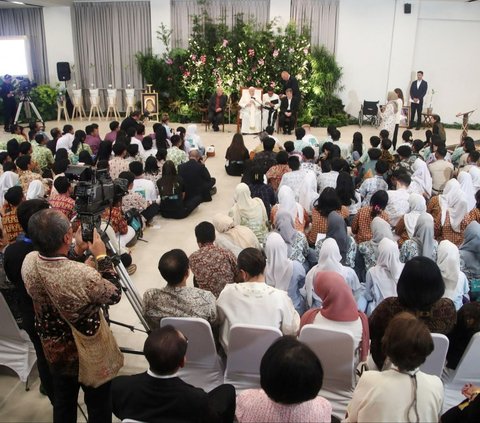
[(380, 241)]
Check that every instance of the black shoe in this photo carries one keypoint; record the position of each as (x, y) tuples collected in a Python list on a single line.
[(213, 191), (418, 128), (289, 133), (216, 129), (410, 127)]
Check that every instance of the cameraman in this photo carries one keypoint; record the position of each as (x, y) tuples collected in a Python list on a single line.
[(64, 289), (7, 92)]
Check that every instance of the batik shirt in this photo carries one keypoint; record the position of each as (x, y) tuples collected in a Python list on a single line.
[(42, 156)]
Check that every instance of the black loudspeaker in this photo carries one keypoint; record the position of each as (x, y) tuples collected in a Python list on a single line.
[(63, 71), (407, 8)]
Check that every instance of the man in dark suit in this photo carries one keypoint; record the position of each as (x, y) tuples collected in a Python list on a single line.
[(291, 82), (131, 121), (7, 93), (196, 178), (288, 112), (216, 108), (418, 90), (158, 395)]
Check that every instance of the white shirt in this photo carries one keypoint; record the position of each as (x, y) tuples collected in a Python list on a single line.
[(327, 179), (397, 204), (255, 303), (65, 141), (145, 188), (294, 180), (141, 150)]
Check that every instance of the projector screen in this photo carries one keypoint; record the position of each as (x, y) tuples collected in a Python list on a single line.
[(15, 56)]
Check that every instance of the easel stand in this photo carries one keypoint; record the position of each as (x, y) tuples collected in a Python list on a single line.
[(62, 107), (466, 116), (25, 103), (94, 104), (78, 105)]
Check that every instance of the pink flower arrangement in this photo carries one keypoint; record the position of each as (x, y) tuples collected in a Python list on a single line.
[(251, 52), (275, 53), (305, 51), (169, 61), (186, 73), (203, 59), (291, 50), (193, 57), (218, 59), (225, 43), (261, 62), (254, 69), (239, 61)]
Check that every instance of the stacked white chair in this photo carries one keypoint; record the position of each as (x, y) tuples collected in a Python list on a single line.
[(435, 362), (204, 367), (16, 350), (246, 346)]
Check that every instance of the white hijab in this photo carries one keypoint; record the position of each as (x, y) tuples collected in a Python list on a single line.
[(192, 137), (422, 176), (35, 190), (380, 230), (247, 207), (448, 260), (424, 235), (308, 192), (466, 184), (417, 206), (286, 202), (453, 200), (8, 180), (387, 271), (475, 174), (279, 269)]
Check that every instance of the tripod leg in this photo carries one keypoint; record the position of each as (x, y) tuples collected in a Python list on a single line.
[(36, 111), (19, 109)]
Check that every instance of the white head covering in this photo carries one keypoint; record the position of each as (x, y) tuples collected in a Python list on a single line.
[(247, 207), (7, 180), (448, 261), (380, 229), (285, 226), (453, 200), (417, 206), (422, 176), (388, 269), (279, 269), (233, 237), (424, 235), (286, 202), (470, 249), (192, 137), (466, 184), (35, 190), (308, 192), (330, 257), (475, 174)]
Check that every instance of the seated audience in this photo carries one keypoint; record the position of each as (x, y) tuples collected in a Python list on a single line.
[(259, 189), (63, 201), (118, 164), (421, 179), (253, 301), (398, 198), (10, 225), (196, 177), (113, 216), (466, 185), (177, 299), (8, 179), (132, 200), (233, 237), (236, 156), (294, 179), (291, 378), (112, 135), (275, 173), (212, 267), (250, 212), (329, 178), (402, 393), (361, 224), (349, 197), (282, 272), (36, 189), (158, 395), (371, 185), (264, 159), (470, 258), (441, 171), (286, 202), (174, 153), (308, 161), (338, 311), (407, 223), (142, 185), (193, 140), (25, 174), (423, 299), (422, 243)]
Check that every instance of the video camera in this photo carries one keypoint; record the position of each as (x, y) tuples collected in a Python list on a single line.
[(94, 192), (24, 85)]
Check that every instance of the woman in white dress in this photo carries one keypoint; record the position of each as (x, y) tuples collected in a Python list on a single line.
[(389, 114), (398, 116)]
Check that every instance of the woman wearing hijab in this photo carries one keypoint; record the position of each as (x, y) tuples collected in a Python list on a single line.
[(470, 258), (8, 180), (388, 115), (338, 311), (456, 283), (193, 139), (283, 273), (406, 225), (330, 259), (453, 218), (286, 202), (233, 237), (421, 179), (296, 241), (475, 174), (36, 190), (422, 242), (369, 249), (249, 212), (466, 185), (308, 192), (381, 280)]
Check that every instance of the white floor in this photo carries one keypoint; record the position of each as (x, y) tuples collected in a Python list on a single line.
[(17, 405)]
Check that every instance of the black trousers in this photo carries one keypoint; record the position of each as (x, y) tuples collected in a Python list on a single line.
[(394, 138), (416, 108), (9, 110), (222, 400), (98, 400), (272, 117), (215, 118), (287, 123)]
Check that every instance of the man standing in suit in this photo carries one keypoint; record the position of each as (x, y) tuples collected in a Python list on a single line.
[(196, 178), (418, 90), (7, 93), (160, 395), (288, 111), (216, 108), (290, 82)]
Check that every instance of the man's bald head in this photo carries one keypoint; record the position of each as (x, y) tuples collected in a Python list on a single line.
[(194, 154)]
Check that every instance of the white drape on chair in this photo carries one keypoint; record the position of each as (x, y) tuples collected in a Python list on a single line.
[(320, 16), (107, 36), (225, 11)]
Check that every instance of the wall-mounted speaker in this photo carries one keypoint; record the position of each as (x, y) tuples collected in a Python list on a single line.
[(63, 71), (407, 8)]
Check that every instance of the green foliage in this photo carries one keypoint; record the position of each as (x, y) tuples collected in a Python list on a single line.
[(45, 98)]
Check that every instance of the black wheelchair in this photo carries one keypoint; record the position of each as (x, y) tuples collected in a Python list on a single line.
[(369, 113)]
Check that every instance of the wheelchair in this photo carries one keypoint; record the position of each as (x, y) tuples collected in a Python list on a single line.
[(369, 113)]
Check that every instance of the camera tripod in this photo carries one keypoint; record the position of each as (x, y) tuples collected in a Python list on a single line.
[(27, 103)]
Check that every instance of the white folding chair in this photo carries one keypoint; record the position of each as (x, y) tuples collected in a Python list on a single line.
[(246, 346), (467, 371), (16, 350), (436, 360), (336, 351), (203, 367)]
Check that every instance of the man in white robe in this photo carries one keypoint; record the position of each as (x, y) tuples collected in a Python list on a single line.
[(251, 111), (271, 104)]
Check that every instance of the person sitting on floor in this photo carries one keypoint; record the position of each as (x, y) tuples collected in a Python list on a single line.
[(196, 178)]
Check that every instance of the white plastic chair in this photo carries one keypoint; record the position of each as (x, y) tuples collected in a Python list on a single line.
[(246, 346), (203, 367), (16, 350), (467, 371), (336, 351), (436, 360)]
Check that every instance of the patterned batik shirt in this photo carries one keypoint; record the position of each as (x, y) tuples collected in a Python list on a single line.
[(213, 267), (116, 166), (370, 186), (178, 301), (42, 156), (177, 156), (133, 200), (11, 226), (275, 173), (27, 176), (63, 203)]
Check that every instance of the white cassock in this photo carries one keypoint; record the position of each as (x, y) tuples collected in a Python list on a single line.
[(269, 115), (251, 113)]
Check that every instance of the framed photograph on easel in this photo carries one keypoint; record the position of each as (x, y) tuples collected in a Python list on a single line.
[(150, 103), (405, 117)]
